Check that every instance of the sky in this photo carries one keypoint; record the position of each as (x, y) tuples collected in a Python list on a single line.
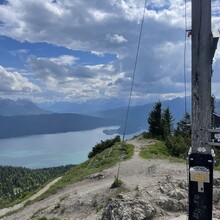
[(78, 50)]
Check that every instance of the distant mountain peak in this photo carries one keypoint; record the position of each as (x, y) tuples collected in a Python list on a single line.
[(9, 107)]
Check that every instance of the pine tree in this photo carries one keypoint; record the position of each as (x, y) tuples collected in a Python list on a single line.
[(155, 121), (167, 123), (213, 102), (183, 127), (213, 112)]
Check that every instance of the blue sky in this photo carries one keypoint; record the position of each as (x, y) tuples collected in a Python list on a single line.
[(81, 50)]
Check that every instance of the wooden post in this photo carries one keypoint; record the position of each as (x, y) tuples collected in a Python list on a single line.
[(201, 75), (200, 156)]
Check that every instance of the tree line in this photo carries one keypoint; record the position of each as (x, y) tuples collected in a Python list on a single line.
[(161, 126)]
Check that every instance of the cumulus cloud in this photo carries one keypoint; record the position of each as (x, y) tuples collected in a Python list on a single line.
[(65, 60), (57, 69), (12, 82), (97, 53), (118, 39), (91, 81), (103, 27)]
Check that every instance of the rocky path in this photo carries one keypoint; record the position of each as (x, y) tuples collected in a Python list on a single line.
[(151, 181)]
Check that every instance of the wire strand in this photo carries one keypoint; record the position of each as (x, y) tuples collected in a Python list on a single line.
[(134, 72), (132, 86), (184, 58), (184, 72)]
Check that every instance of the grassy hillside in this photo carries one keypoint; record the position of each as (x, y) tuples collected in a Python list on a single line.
[(158, 151), (98, 163)]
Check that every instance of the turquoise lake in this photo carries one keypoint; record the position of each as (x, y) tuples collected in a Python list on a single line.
[(50, 150)]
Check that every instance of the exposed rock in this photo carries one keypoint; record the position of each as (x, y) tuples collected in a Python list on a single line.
[(177, 194), (128, 209), (216, 195), (97, 176), (172, 205), (216, 181), (151, 169), (182, 184)]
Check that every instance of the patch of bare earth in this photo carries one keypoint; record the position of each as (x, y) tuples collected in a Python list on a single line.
[(159, 183)]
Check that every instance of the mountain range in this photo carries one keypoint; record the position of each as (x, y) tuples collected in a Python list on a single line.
[(23, 117)]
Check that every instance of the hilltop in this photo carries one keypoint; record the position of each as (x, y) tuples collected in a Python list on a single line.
[(154, 188)]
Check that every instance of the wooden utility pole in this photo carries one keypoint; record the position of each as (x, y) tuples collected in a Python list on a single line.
[(201, 156), (201, 75)]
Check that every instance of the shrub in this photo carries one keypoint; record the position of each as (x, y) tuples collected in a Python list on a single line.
[(98, 148), (176, 146), (116, 184)]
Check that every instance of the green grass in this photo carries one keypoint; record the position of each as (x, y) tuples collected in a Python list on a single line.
[(159, 151), (98, 163), (156, 151), (217, 167)]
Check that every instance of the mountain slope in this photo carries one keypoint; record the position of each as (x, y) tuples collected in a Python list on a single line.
[(153, 189), (19, 107), (91, 197), (16, 126)]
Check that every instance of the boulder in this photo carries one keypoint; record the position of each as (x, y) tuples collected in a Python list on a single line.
[(131, 209)]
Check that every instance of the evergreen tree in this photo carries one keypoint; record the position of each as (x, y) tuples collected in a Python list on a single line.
[(212, 111), (176, 146), (183, 128), (167, 123), (213, 104), (155, 121)]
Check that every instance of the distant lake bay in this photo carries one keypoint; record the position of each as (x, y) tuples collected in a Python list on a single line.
[(51, 149)]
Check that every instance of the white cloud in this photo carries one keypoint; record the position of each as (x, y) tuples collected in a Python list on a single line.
[(97, 53), (19, 52), (118, 39), (12, 82), (103, 27), (65, 60), (91, 81)]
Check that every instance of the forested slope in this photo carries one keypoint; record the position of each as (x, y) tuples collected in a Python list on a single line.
[(17, 182)]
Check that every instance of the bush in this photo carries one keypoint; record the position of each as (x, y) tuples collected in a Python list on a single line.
[(176, 146), (103, 145), (147, 135), (116, 184)]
